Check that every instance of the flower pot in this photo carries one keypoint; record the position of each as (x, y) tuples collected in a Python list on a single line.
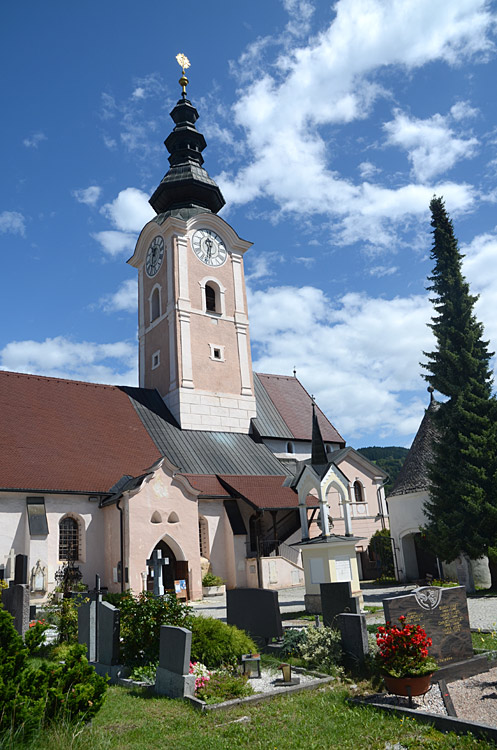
[(408, 686), (213, 590)]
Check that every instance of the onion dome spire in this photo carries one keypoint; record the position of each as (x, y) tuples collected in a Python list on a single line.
[(186, 189)]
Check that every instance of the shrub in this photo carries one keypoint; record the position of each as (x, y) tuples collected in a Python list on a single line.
[(292, 641), (63, 614), (322, 648), (211, 580), (224, 686), (216, 644), (141, 620), (34, 638)]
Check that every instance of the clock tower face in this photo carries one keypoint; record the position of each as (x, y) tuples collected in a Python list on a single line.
[(209, 248), (155, 254)]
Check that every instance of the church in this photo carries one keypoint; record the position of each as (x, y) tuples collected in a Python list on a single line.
[(202, 461)]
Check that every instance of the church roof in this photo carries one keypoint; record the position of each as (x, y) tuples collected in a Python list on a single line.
[(284, 410), (65, 435), (413, 476), (263, 492)]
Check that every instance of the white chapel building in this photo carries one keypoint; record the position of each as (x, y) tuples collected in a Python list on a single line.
[(201, 461)]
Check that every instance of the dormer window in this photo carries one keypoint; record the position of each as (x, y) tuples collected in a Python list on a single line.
[(290, 448)]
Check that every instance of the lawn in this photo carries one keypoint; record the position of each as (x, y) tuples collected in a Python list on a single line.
[(314, 720)]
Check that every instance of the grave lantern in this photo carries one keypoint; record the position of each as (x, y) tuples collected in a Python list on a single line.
[(251, 665)]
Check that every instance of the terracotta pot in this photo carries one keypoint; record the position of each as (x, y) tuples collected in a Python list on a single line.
[(400, 685)]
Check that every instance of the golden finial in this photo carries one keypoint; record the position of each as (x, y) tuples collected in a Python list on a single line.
[(184, 64)]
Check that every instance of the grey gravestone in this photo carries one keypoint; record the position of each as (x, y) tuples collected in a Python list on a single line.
[(16, 601), (172, 677), (335, 599), (108, 634), (354, 635), (255, 610), (87, 626), (21, 569), (443, 613)]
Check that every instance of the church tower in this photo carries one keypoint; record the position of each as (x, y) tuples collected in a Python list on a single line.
[(194, 344)]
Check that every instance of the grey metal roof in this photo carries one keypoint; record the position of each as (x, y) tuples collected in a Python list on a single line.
[(269, 421), (199, 452), (413, 476)]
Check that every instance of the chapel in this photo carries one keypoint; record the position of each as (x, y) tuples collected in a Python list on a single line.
[(202, 461)]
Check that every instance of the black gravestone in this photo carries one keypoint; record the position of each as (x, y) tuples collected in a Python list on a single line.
[(16, 601), (108, 633), (442, 613), (255, 610), (21, 569), (354, 634), (335, 599), (175, 649)]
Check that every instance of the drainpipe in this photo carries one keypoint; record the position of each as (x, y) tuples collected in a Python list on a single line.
[(121, 539)]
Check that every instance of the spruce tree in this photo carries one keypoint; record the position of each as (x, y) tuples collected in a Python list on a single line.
[(462, 508)]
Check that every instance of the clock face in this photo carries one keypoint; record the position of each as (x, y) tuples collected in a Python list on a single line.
[(155, 254), (209, 247)]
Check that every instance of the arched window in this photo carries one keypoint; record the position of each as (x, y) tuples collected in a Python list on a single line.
[(358, 494), (155, 305), (210, 298), (290, 448), (68, 539), (203, 537)]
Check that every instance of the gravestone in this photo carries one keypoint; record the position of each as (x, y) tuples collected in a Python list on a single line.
[(172, 677), (21, 569), (443, 614), (255, 610), (87, 628), (335, 599), (354, 634), (109, 628), (157, 563), (16, 601)]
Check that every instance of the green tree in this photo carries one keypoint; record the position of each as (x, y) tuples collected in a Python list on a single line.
[(462, 509)]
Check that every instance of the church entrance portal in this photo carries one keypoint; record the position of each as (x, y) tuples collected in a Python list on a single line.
[(168, 571)]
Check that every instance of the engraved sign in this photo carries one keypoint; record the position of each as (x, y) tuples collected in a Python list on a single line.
[(443, 613)]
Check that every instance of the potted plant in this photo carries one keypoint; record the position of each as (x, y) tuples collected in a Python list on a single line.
[(403, 658), (212, 585)]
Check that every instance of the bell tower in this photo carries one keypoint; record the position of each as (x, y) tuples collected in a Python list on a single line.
[(194, 344)]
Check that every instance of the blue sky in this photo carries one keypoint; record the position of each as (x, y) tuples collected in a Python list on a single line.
[(329, 127)]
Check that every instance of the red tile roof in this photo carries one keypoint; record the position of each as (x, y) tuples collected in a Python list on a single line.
[(295, 406), (67, 435), (264, 492)]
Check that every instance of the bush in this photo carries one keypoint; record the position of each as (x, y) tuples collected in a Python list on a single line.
[(292, 640), (211, 580), (30, 698), (141, 620), (34, 638), (224, 686), (63, 614), (216, 644), (322, 648)]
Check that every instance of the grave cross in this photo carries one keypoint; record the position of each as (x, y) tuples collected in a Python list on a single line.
[(157, 563)]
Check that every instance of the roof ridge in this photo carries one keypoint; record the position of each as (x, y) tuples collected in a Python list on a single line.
[(59, 380)]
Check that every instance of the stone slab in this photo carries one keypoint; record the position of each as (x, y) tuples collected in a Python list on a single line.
[(256, 611), (443, 613), (174, 685), (354, 636), (175, 649), (87, 627), (108, 633), (335, 599)]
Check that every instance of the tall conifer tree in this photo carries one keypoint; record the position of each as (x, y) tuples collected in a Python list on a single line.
[(462, 509)]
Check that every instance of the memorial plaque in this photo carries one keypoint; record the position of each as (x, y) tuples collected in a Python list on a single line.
[(443, 613)]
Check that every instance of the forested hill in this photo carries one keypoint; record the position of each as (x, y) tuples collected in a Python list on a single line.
[(389, 459)]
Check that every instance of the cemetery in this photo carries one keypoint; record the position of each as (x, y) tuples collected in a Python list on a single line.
[(154, 647)]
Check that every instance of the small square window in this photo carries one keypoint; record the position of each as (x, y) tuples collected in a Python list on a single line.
[(217, 353), (155, 360)]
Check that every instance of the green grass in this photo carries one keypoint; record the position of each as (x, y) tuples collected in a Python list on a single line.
[(486, 641), (312, 720)]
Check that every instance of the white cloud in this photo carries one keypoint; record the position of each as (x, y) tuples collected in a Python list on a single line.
[(129, 211), (12, 222), (33, 141), (383, 271), (359, 355), (62, 358), (336, 75), (368, 170), (89, 195), (305, 260), (115, 243), (463, 111), (124, 300), (480, 269), (431, 145)]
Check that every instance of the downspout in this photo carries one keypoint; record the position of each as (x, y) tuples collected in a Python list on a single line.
[(121, 539)]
